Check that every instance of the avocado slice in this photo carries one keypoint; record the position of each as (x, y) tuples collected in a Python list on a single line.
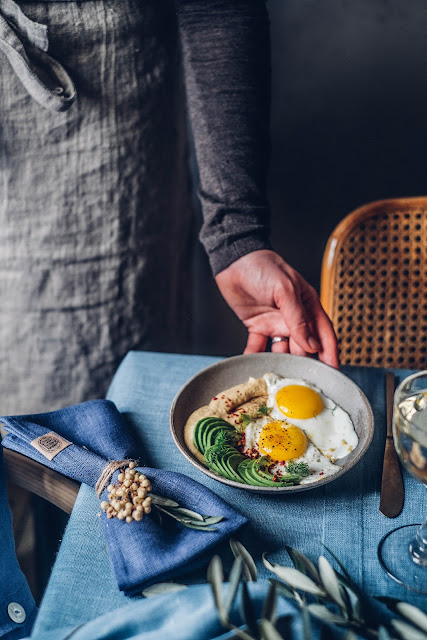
[(203, 428), (232, 460), (254, 477), (213, 430), (198, 430)]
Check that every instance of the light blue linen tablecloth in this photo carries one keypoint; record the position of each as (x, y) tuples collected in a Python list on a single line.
[(342, 515)]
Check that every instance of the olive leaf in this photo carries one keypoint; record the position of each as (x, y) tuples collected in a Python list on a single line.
[(197, 526), (324, 614), (383, 634), (353, 604), (346, 578), (415, 615), (157, 516), (248, 610), (306, 623), (269, 605), (187, 513), (201, 523), (350, 590), (215, 578), (330, 582), (294, 578), (164, 502), (249, 568), (303, 564), (407, 632), (238, 633), (268, 630), (349, 635), (212, 519), (161, 588), (234, 581), (283, 589)]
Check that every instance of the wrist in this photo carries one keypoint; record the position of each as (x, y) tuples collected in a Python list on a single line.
[(224, 257)]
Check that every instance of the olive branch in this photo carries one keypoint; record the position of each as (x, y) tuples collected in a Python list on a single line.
[(188, 518), (321, 592)]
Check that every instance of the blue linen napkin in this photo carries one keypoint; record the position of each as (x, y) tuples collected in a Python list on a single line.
[(141, 553)]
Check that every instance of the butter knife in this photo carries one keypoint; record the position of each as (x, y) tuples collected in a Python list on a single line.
[(392, 491)]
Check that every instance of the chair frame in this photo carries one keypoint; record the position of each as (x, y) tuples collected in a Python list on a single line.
[(44, 482)]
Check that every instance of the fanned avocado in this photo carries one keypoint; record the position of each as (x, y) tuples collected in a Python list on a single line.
[(224, 458), (202, 431), (215, 439), (225, 469), (254, 472), (248, 471)]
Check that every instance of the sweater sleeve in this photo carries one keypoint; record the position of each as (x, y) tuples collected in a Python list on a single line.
[(226, 57)]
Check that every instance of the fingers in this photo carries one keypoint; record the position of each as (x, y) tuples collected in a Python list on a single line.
[(256, 343), (328, 352), (294, 315), (296, 350)]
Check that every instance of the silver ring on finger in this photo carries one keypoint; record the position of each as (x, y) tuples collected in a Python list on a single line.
[(279, 339)]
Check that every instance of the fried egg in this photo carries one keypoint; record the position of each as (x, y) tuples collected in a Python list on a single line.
[(283, 442), (326, 425)]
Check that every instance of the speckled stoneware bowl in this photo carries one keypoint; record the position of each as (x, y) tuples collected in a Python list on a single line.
[(202, 387)]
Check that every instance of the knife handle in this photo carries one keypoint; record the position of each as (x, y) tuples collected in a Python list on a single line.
[(392, 489), (389, 395)]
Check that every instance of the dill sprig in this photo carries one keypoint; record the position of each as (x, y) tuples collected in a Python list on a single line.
[(222, 441), (298, 468), (245, 419), (262, 410)]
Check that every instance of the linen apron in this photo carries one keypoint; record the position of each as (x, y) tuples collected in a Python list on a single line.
[(95, 221)]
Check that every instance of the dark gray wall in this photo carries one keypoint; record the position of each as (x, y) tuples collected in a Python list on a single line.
[(349, 108)]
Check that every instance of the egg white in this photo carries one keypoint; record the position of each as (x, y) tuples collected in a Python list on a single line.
[(319, 465), (331, 431)]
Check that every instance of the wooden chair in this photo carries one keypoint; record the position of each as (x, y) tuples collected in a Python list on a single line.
[(36, 478), (374, 284)]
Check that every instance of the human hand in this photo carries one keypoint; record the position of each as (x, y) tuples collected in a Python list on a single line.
[(272, 299)]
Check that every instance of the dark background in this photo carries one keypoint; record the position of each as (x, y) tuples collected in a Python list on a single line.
[(348, 126)]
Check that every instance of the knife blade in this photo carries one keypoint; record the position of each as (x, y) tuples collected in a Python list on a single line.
[(392, 490)]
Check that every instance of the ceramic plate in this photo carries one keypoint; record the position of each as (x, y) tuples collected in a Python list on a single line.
[(203, 386)]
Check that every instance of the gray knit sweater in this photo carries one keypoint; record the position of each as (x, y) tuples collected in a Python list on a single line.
[(227, 71)]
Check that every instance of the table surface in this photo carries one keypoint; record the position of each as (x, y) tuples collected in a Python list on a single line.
[(343, 515)]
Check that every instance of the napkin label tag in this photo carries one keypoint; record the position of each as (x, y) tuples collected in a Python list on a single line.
[(50, 444)]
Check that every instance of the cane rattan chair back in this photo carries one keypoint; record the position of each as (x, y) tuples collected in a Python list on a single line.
[(374, 284)]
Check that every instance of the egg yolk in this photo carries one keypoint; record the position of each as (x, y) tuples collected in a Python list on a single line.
[(282, 442), (296, 401)]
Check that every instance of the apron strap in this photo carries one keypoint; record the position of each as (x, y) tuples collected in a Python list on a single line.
[(25, 44)]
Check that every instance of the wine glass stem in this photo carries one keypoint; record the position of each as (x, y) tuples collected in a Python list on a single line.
[(418, 546)]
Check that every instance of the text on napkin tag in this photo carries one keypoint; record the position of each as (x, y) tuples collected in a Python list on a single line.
[(50, 444)]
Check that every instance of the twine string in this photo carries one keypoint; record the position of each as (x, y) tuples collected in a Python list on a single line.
[(104, 479)]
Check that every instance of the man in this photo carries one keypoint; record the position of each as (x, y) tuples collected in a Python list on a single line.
[(95, 217)]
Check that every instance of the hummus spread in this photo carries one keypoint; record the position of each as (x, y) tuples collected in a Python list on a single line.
[(229, 405)]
